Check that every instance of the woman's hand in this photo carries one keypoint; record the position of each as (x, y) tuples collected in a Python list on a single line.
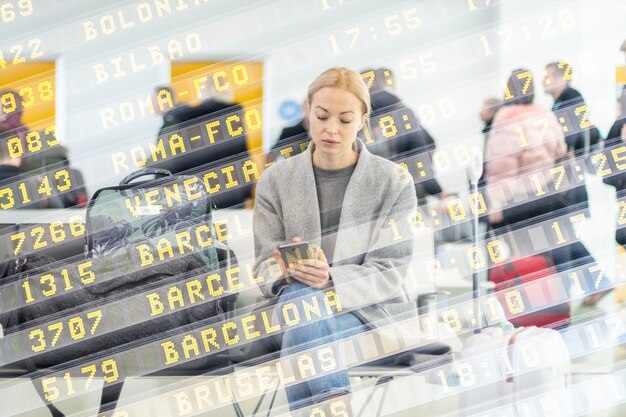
[(312, 272), (623, 132), (282, 265)]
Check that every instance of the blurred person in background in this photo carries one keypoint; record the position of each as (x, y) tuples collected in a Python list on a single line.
[(299, 130), (416, 141), (580, 142), (511, 154), (11, 126), (166, 105), (9, 167), (215, 104), (487, 113), (295, 133), (11, 111), (615, 138), (508, 157), (55, 158), (617, 129), (556, 83)]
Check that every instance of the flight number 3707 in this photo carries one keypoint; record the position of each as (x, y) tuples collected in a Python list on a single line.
[(49, 338)]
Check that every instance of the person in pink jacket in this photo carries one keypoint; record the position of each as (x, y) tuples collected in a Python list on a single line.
[(524, 137)]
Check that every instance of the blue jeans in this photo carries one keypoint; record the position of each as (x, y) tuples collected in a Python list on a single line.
[(326, 330)]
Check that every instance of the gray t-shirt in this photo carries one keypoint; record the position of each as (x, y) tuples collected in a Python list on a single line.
[(331, 185)]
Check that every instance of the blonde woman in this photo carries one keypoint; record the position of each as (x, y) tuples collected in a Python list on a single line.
[(346, 200)]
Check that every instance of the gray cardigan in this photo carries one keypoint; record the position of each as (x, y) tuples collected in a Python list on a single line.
[(370, 260)]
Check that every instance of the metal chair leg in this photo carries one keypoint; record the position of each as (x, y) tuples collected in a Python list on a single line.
[(269, 410), (368, 399), (110, 396), (258, 404), (381, 382), (382, 400), (239, 412)]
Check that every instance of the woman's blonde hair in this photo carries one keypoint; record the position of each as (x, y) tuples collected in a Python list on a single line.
[(347, 79)]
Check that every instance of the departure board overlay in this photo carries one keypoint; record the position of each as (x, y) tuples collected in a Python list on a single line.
[(455, 170)]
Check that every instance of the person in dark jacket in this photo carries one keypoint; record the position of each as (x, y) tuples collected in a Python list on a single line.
[(300, 129), (11, 119), (557, 84), (579, 142), (507, 158), (196, 161), (165, 103), (57, 157), (616, 137), (417, 141), (9, 167), (487, 113), (296, 133)]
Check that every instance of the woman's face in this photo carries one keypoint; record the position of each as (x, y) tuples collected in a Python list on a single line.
[(335, 117)]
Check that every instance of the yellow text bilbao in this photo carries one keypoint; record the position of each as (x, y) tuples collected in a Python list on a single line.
[(137, 61)]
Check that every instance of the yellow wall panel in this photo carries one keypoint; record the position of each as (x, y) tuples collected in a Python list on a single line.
[(35, 84), (242, 79), (620, 75)]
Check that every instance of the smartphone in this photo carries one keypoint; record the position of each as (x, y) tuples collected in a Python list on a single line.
[(294, 252)]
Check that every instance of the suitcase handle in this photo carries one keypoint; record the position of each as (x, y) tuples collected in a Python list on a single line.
[(147, 171)]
